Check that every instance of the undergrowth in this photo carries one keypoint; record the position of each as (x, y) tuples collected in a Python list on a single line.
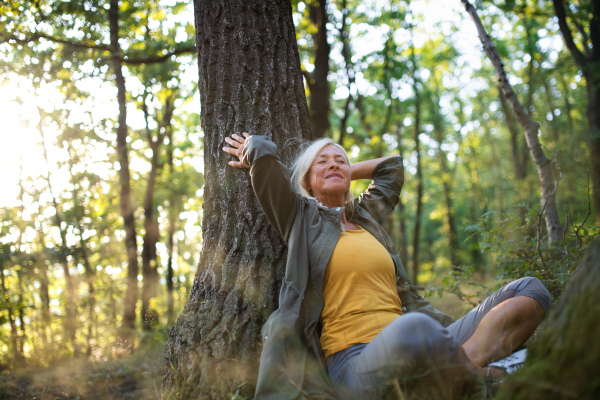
[(138, 376), (517, 247)]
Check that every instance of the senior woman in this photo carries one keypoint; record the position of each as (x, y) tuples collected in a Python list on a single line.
[(349, 319)]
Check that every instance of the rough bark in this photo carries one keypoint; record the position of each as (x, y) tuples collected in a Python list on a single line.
[(545, 167), (588, 61), (318, 85), (250, 80), (564, 362), (126, 206)]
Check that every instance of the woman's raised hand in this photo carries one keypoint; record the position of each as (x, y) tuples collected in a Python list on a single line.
[(237, 144)]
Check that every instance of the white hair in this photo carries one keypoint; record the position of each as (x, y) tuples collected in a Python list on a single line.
[(301, 169)]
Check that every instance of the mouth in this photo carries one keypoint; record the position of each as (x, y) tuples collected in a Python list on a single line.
[(334, 176)]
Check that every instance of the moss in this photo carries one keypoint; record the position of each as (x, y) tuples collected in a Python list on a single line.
[(565, 361)]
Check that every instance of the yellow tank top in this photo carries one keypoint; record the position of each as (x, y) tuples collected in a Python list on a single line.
[(359, 292)]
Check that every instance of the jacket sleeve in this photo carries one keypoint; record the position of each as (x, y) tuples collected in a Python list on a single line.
[(381, 197), (271, 184), (414, 302)]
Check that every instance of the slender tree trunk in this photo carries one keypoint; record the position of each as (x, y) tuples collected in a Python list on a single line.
[(250, 80), (588, 61), (18, 358), (317, 81), (475, 194), (550, 100), (401, 207), (71, 292), (419, 167), (21, 313), (173, 211), (567, 103), (44, 287), (90, 273), (544, 166), (21, 261), (151, 236), (519, 162), (496, 168), (349, 67), (131, 294), (438, 127)]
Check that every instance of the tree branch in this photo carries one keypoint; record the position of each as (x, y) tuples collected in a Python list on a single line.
[(37, 35), (159, 59), (559, 8), (584, 38)]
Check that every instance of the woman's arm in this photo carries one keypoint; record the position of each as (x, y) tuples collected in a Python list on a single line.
[(381, 196), (270, 179), (364, 169)]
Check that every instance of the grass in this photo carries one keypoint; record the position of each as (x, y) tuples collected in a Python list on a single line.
[(136, 377)]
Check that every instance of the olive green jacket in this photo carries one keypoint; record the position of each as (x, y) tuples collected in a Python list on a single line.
[(292, 364)]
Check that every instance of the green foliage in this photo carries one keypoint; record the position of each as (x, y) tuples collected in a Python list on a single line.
[(516, 250)]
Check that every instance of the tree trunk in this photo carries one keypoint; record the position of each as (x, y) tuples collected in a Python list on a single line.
[(349, 67), (151, 235), (564, 362), (250, 80), (519, 162), (317, 81), (18, 358), (21, 313), (44, 286), (403, 241), (419, 167), (588, 61), (131, 295), (173, 211), (496, 168), (71, 295), (438, 127), (90, 272), (544, 166)]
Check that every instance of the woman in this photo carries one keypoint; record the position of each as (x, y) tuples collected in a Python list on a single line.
[(349, 319)]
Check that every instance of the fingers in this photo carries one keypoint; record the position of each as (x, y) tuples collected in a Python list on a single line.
[(237, 143), (237, 164), (232, 151)]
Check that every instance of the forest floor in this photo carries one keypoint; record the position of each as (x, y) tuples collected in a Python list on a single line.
[(137, 377)]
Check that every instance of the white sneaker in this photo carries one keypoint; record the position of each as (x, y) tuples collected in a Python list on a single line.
[(511, 363)]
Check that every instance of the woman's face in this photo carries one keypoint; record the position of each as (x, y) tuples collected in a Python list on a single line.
[(329, 175)]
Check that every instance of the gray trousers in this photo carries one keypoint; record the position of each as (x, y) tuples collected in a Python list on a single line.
[(415, 344)]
